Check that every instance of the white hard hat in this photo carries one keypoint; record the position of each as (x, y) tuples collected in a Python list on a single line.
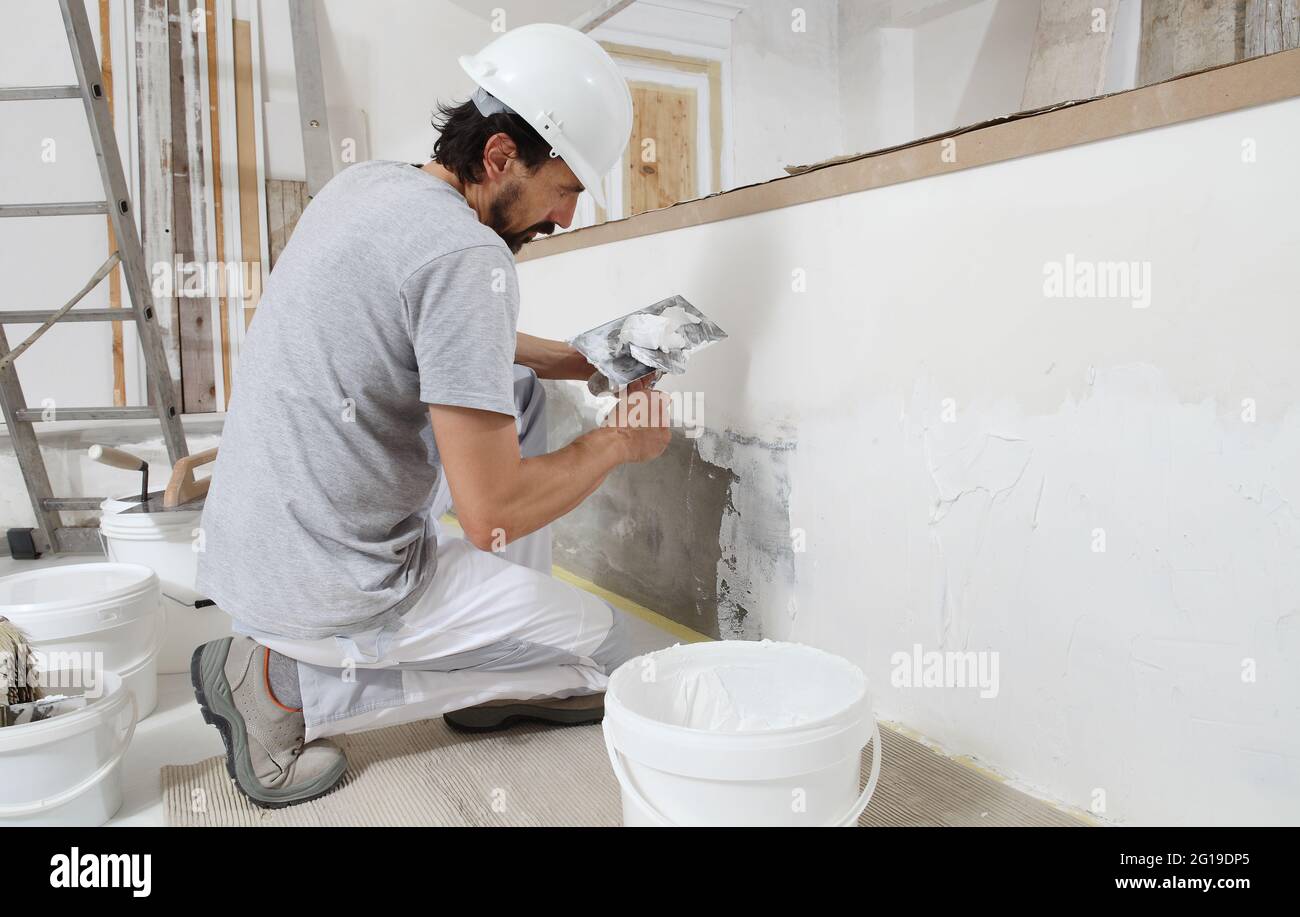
[(567, 88)]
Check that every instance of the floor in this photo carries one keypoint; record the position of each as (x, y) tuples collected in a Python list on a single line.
[(175, 734)]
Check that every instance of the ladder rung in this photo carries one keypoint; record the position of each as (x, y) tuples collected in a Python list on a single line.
[(70, 208), (35, 317), (133, 413), (27, 93), (72, 539), (72, 503)]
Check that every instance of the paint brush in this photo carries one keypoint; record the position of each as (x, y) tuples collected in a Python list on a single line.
[(18, 676)]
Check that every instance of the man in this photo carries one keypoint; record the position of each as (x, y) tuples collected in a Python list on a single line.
[(383, 380)]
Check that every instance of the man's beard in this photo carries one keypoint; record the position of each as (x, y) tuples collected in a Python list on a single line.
[(499, 217)]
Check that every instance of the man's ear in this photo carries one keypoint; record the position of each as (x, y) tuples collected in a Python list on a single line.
[(497, 153)]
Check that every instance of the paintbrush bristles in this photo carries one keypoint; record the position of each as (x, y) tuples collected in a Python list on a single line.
[(18, 678)]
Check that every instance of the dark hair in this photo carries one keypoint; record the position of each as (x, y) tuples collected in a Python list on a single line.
[(463, 133)]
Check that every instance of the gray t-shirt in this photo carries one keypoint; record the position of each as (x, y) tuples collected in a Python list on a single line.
[(390, 296)]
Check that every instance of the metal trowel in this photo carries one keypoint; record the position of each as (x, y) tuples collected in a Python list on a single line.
[(183, 491), (620, 359)]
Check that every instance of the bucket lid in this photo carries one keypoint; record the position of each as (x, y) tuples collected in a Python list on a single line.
[(72, 587)]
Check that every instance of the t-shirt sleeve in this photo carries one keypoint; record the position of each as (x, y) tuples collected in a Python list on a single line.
[(461, 309)]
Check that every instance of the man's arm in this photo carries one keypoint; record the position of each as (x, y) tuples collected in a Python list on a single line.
[(500, 496), (551, 359)]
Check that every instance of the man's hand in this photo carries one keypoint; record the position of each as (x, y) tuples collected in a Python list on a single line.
[(501, 496), (642, 419)]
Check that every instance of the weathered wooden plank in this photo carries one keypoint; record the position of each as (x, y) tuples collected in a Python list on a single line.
[(1183, 36), (154, 126), (249, 209), (1271, 26), (191, 195), (115, 278), (218, 189), (225, 191), (1069, 54), (285, 201)]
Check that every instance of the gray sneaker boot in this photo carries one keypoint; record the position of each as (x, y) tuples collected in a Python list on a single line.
[(265, 749), (499, 714)]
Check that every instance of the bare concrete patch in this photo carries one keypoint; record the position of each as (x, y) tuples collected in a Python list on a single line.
[(694, 535)]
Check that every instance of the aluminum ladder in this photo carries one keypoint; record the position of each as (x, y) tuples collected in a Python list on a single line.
[(50, 534)]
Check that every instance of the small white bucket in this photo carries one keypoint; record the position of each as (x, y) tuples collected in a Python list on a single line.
[(740, 732), (65, 771), (164, 542), (112, 610)]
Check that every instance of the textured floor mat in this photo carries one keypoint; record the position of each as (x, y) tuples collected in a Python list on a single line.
[(536, 775)]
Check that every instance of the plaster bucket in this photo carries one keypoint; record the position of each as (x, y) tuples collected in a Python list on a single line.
[(164, 542), (65, 771), (740, 732), (110, 611)]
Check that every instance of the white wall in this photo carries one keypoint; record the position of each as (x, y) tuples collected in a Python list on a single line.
[(1120, 671), (785, 99), (386, 64), (876, 81), (910, 71), (971, 65)]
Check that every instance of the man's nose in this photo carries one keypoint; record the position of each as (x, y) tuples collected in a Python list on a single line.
[(562, 215)]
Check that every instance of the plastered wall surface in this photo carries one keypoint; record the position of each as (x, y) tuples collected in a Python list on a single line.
[(1096, 494)]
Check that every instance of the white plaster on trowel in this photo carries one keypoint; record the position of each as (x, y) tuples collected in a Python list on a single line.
[(657, 332)]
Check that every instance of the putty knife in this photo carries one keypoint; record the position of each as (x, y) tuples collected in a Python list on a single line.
[(620, 359)]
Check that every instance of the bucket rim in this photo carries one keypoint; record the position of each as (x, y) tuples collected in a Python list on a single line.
[(116, 518), (147, 581), (29, 735), (840, 718)]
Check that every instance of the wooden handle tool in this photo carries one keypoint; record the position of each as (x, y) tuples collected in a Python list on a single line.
[(182, 488)]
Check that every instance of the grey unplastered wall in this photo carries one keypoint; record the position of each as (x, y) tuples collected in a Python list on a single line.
[(691, 535)]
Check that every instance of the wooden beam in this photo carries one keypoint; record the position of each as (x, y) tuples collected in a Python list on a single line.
[(1271, 26), (285, 201), (249, 183), (190, 219), (1183, 36), (115, 278), (154, 124), (218, 201)]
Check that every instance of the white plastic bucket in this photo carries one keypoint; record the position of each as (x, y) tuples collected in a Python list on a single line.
[(740, 732), (65, 771), (164, 542), (109, 609)]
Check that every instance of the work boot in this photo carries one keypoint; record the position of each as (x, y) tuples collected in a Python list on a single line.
[(265, 749), (498, 714)]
